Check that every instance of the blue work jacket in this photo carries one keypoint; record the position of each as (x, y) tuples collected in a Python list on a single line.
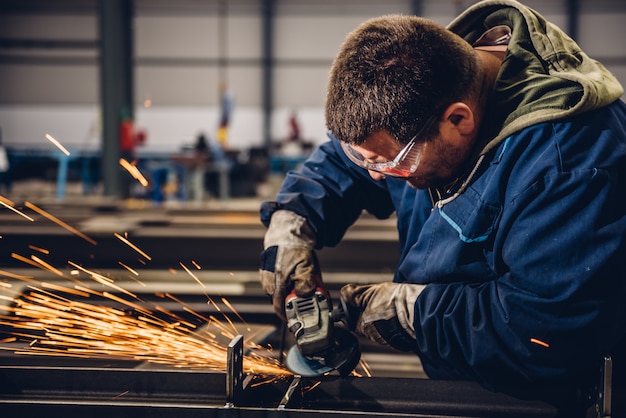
[(525, 270)]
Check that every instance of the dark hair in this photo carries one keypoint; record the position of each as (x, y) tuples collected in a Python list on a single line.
[(393, 73)]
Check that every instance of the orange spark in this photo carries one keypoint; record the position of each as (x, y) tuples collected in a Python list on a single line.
[(41, 250), (10, 205), (46, 265), (232, 308), (536, 341), (134, 171), (65, 289), (7, 202), (192, 275), (57, 326), (128, 268), (365, 367), (131, 245), (313, 386), (121, 394), (25, 260), (137, 280), (13, 275), (57, 144), (102, 280), (59, 222)]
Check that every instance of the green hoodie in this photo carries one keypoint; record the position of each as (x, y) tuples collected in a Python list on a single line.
[(544, 76)]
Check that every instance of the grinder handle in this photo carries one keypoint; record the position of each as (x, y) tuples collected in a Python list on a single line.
[(346, 314), (319, 287)]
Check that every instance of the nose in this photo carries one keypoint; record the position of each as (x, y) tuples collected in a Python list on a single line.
[(376, 175)]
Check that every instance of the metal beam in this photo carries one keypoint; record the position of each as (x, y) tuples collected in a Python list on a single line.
[(573, 12), (267, 69), (416, 7), (116, 87), (24, 43), (165, 393)]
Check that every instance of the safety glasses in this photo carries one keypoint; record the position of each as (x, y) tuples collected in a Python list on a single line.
[(403, 165)]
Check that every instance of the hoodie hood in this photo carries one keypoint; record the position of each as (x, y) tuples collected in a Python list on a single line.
[(544, 75)]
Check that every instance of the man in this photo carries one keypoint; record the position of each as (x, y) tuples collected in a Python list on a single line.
[(501, 147)]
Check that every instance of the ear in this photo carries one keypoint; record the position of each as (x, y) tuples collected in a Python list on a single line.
[(459, 118)]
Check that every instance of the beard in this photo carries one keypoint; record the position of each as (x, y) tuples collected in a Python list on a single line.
[(444, 162)]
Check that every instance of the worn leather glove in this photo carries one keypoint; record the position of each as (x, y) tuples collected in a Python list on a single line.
[(288, 261), (386, 312)]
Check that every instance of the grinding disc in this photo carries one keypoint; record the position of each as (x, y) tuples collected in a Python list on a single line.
[(344, 357)]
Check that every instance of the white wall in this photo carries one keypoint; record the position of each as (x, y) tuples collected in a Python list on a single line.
[(168, 128), (25, 126)]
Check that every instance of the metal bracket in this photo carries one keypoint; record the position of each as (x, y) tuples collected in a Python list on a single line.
[(291, 391), (605, 389), (234, 371)]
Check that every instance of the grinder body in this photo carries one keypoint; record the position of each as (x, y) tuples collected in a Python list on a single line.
[(321, 346)]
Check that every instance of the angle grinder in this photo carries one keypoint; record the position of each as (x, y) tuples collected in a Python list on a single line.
[(324, 342)]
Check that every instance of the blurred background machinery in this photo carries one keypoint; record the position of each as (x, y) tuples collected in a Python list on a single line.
[(143, 79)]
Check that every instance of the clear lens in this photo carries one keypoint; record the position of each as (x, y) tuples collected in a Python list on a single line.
[(357, 158), (405, 163)]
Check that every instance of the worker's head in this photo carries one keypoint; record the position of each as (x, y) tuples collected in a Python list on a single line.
[(392, 84)]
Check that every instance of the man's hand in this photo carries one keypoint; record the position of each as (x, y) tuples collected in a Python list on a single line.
[(387, 311), (288, 261)]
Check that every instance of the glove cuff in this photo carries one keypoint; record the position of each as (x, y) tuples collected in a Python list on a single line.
[(404, 298), (288, 229)]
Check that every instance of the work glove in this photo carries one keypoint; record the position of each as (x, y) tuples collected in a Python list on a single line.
[(386, 312), (288, 260)]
